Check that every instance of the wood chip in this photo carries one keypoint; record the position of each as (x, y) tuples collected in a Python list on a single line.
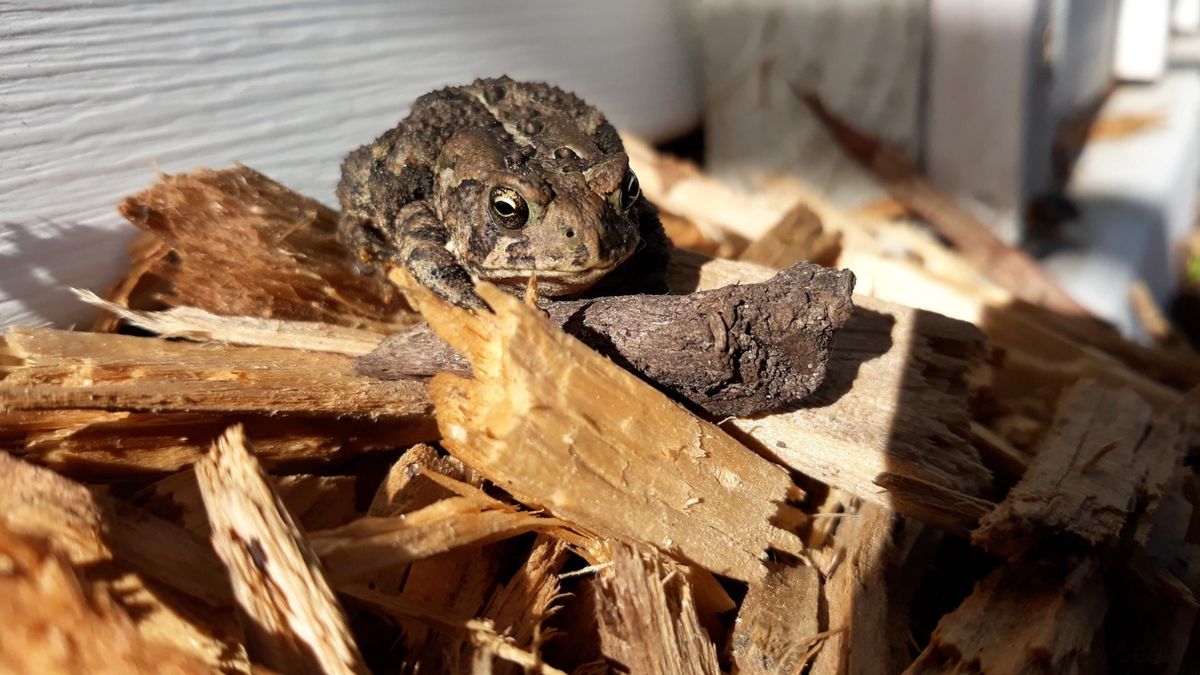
[(1022, 619), (527, 422), (292, 619), (243, 245), (1089, 473), (168, 580), (63, 369), (799, 235), (777, 622), (865, 614), (1009, 266), (647, 617), (56, 621), (371, 544), (119, 444), (202, 326)]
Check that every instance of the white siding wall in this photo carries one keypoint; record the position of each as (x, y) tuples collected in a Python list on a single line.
[(95, 95)]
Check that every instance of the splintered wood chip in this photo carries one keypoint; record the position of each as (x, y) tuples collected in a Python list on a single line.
[(237, 243), (293, 621), (647, 617), (562, 428)]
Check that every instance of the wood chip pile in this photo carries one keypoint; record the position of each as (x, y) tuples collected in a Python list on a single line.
[(986, 481)]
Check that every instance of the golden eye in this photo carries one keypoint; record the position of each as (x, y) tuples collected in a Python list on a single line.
[(509, 209), (628, 193)]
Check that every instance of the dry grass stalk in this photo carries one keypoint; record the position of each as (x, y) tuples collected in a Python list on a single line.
[(647, 617), (529, 423), (292, 620)]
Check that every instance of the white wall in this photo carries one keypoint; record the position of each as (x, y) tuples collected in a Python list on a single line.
[(94, 96)]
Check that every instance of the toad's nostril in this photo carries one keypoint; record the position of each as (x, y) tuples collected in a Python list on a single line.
[(570, 233)]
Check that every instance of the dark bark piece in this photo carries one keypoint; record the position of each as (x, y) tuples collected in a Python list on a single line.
[(734, 351)]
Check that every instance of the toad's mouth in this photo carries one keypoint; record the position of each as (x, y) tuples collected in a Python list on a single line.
[(551, 281)]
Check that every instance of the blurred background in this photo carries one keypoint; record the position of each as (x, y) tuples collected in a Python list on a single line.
[(1069, 127)]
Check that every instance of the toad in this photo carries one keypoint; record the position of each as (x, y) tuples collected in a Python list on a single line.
[(502, 181)]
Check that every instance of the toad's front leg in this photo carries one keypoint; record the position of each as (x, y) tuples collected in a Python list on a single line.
[(416, 240)]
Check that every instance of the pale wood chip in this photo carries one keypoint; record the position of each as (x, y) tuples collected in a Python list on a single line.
[(637, 466), (373, 544), (293, 621), (1105, 457), (63, 369), (56, 621), (647, 617), (202, 326), (777, 621)]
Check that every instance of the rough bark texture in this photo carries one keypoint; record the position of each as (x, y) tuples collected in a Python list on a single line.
[(733, 351)]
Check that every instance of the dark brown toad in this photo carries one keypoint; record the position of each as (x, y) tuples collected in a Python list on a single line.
[(502, 180)]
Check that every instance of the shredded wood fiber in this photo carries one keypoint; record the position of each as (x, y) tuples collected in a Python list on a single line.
[(969, 482)]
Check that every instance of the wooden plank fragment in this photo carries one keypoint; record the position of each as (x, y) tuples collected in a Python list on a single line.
[(243, 245), (1104, 458), (63, 369), (647, 617), (56, 621), (116, 444), (778, 622), (529, 422), (1022, 619), (292, 619), (890, 424)]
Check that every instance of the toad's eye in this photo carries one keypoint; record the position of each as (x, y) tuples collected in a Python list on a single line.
[(628, 193), (509, 209)]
